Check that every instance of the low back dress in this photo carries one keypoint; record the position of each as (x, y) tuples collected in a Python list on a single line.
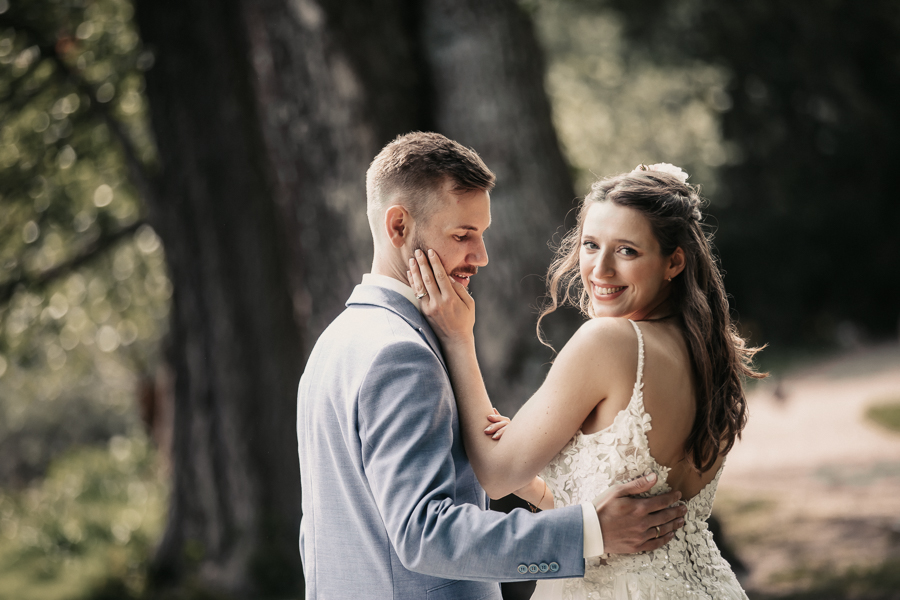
[(690, 566)]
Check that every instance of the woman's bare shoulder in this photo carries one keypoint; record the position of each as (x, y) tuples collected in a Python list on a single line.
[(605, 340)]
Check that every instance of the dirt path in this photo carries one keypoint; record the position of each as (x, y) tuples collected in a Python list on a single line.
[(813, 486)]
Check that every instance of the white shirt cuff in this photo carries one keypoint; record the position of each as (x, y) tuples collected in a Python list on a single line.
[(593, 537)]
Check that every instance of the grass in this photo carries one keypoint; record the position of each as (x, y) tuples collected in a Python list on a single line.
[(93, 519), (886, 413)]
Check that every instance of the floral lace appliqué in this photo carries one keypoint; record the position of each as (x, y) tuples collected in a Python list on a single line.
[(688, 567)]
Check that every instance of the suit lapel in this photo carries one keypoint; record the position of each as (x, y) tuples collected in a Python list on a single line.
[(373, 295)]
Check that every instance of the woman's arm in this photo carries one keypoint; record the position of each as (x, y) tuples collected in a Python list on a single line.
[(577, 382)]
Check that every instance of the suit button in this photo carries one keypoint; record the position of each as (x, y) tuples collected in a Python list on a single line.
[(554, 567), (533, 568), (522, 569), (544, 567)]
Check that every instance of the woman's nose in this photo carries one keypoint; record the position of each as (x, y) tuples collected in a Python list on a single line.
[(604, 265)]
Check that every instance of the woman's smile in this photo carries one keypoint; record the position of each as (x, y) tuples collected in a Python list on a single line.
[(606, 291)]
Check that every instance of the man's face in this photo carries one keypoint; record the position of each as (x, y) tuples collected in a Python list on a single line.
[(456, 231)]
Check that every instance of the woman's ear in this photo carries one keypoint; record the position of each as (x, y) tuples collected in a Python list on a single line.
[(397, 225), (676, 263)]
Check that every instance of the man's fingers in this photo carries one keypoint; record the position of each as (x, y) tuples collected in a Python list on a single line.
[(638, 486), (665, 517), (659, 531), (655, 503), (656, 543)]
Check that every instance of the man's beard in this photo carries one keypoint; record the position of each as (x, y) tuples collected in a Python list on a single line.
[(419, 244)]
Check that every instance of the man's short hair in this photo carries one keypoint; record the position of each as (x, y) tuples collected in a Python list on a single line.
[(412, 168)]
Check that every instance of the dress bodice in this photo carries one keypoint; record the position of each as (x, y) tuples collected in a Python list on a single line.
[(690, 566)]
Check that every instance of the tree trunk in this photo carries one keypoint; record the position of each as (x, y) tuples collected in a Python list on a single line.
[(489, 93), (267, 114), (235, 348)]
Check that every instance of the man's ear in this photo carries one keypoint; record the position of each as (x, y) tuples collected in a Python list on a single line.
[(676, 263), (397, 225)]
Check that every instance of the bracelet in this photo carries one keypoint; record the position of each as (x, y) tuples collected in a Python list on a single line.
[(532, 506)]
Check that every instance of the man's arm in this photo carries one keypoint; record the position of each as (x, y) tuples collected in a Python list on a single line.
[(406, 413)]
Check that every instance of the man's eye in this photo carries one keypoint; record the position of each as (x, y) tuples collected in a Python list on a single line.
[(460, 238)]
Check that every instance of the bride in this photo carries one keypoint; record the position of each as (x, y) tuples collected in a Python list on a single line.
[(652, 382)]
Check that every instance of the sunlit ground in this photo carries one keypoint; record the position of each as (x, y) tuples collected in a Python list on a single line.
[(810, 498)]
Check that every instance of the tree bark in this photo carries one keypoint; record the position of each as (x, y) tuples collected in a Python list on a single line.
[(488, 80), (235, 348)]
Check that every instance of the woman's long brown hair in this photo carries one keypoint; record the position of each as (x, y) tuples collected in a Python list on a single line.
[(720, 358)]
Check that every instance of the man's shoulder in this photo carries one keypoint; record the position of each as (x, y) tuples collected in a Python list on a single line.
[(364, 334), (371, 323)]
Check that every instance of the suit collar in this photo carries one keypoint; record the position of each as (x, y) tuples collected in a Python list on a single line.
[(374, 295)]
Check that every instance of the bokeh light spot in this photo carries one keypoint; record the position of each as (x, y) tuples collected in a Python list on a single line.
[(107, 338), (106, 92), (30, 232), (103, 195)]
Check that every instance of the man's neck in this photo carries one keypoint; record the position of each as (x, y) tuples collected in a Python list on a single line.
[(390, 267)]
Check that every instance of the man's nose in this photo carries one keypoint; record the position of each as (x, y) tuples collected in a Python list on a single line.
[(479, 258)]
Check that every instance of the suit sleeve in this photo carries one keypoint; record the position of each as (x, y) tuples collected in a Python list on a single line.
[(406, 413)]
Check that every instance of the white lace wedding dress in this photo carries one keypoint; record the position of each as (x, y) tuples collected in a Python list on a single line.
[(690, 566)]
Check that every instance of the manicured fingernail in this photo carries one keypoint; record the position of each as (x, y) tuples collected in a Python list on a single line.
[(486, 429), (651, 477), (496, 435), (418, 252), (430, 252)]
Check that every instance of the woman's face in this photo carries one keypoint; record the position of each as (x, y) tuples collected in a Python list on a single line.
[(622, 268)]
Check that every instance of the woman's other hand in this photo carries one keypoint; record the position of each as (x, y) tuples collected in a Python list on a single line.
[(497, 426), (446, 304)]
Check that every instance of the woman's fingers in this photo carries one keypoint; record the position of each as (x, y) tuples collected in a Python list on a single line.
[(431, 287), (497, 426), (415, 278), (437, 269), (494, 427)]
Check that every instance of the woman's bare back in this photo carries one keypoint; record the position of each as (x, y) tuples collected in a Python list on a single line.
[(669, 398)]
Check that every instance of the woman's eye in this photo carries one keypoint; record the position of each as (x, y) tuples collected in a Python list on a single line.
[(626, 251), (589, 245)]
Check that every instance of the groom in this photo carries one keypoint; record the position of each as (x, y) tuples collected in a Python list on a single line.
[(391, 506)]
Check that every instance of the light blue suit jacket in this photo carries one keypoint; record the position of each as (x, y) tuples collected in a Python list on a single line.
[(391, 506)]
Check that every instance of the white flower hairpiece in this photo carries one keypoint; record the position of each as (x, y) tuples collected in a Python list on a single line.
[(676, 172)]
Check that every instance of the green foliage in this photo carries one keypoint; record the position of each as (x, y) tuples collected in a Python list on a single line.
[(93, 519), (83, 287), (615, 107), (886, 413)]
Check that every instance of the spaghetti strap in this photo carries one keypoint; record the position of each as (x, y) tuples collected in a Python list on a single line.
[(640, 369)]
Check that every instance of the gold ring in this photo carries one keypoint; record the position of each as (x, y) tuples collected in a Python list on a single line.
[(657, 531)]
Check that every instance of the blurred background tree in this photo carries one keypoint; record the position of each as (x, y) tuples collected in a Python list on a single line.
[(182, 193)]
